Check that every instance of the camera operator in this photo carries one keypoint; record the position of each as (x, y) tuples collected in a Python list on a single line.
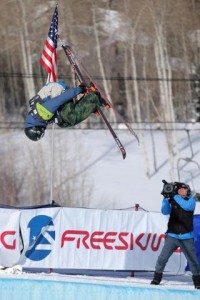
[(180, 205)]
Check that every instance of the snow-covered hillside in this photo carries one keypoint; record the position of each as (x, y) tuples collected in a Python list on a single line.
[(117, 183)]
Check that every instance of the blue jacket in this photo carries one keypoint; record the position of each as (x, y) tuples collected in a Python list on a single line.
[(52, 105)]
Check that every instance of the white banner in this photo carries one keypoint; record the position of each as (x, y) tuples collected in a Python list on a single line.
[(10, 243), (73, 238)]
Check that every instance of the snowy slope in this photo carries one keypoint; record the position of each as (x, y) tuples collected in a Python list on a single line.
[(122, 183), (83, 287), (116, 183)]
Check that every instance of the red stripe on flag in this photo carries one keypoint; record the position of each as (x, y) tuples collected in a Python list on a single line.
[(48, 59)]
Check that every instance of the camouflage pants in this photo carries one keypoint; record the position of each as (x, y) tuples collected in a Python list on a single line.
[(73, 113)]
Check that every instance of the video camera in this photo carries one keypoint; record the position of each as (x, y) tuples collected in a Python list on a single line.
[(168, 189)]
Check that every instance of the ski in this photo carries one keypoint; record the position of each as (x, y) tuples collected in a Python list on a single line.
[(69, 53), (74, 58), (119, 144)]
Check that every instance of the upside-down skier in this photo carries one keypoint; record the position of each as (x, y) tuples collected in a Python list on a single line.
[(54, 104)]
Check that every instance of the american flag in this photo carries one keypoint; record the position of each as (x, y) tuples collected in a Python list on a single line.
[(49, 56)]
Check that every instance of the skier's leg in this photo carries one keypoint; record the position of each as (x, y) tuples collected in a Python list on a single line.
[(73, 114)]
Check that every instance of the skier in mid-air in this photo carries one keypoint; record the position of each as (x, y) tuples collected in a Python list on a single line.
[(54, 104)]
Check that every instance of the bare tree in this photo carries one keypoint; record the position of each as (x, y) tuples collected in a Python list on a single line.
[(26, 52), (106, 83)]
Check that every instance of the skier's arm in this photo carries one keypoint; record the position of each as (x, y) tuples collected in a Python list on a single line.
[(188, 205), (52, 104), (166, 207)]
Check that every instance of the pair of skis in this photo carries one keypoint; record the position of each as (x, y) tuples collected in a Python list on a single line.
[(77, 66)]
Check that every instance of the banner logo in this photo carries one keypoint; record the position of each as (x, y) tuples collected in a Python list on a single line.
[(42, 236), (112, 240)]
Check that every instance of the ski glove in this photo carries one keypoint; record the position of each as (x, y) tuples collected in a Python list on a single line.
[(83, 87)]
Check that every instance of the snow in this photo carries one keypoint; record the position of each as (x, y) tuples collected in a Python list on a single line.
[(120, 184), (111, 22), (84, 287), (116, 183)]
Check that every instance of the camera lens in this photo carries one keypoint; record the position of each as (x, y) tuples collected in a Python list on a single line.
[(168, 188)]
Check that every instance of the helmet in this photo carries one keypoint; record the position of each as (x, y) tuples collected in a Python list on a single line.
[(35, 133), (179, 185)]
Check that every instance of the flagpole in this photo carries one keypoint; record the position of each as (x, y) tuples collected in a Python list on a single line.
[(51, 164), (48, 60)]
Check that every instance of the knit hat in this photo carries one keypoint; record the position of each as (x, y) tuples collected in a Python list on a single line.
[(179, 185)]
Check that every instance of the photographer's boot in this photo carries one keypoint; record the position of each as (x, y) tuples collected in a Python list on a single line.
[(196, 280), (157, 278)]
